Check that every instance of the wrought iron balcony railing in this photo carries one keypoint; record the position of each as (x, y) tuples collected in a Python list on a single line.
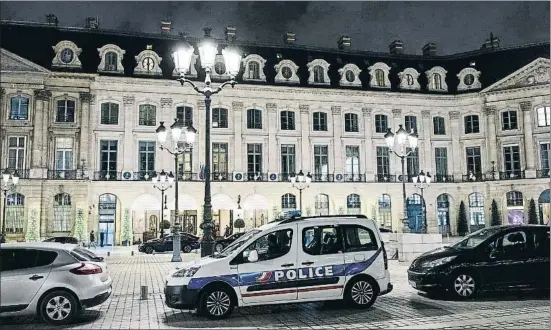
[(23, 174), (62, 174), (442, 178), (511, 175), (542, 173)]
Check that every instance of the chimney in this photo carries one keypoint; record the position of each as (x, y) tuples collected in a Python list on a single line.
[(344, 43), (51, 19), (429, 49), (396, 47), (92, 22), (230, 33), (289, 38), (492, 43), (165, 27)]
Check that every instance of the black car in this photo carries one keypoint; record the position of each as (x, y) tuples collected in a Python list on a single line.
[(188, 243), (62, 239), (491, 259), (221, 243)]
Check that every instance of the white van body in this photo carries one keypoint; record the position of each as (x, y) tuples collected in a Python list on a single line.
[(314, 259)]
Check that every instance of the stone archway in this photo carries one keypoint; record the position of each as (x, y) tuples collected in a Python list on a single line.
[(146, 216), (255, 207), (544, 207)]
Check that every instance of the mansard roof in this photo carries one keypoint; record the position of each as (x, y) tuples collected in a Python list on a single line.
[(34, 41)]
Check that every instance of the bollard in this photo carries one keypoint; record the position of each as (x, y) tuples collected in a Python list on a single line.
[(132, 253), (108, 253), (143, 292)]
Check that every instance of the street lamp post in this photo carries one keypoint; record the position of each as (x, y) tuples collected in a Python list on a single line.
[(161, 182), (9, 181), (300, 182), (404, 141), (182, 61), (181, 144), (422, 182)]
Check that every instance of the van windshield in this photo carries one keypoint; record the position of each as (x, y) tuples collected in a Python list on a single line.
[(236, 244), (475, 239)]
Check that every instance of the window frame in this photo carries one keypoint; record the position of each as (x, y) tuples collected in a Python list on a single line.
[(441, 161), (379, 120), (288, 159), (319, 121), (221, 116), (513, 165), (147, 115), (410, 122), (20, 116), (509, 120), (62, 213), (109, 152), (288, 200), (476, 158), (371, 234), (472, 124), (59, 150), (438, 125), (254, 119), (241, 258), (254, 159), (66, 111), (224, 147), (319, 74), (287, 120), (19, 150), (109, 116), (15, 213), (111, 61), (185, 114), (382, 160), (545, 112), (320, 228), (351, 123), (148, 153), (321, 159)]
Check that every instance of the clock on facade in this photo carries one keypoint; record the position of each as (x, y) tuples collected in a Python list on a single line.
[(66, 55), (148, 63)]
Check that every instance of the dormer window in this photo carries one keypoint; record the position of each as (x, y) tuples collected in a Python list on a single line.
[(408, 79), (380, 78), (65, 111), (318, 74), (111, 61), (19, 108), (379, 73), (318, 69), (254, 68), (220, 68), (286, 72), (468, 79), (437, 79), (66, 55), (350, 75)]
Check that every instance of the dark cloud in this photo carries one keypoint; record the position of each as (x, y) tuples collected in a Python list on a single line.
[(454, 26)]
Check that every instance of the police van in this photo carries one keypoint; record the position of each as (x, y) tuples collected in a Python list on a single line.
[(297, 259)]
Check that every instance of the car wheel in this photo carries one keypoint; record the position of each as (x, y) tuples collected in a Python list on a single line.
[(218, 248), (187, 249), (463, 285), (58, 308), (216, 303), (149, 250), (361, 293)]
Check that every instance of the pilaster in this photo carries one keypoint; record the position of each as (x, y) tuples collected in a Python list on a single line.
[(272, 152), (237, 160), (426, 162), (305, 140), (39, 158), (529, 151), (338, 157), (368, 153), (84, 138), (456, 146), (491, 139), (128, 142)]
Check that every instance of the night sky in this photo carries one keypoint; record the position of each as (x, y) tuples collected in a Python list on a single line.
[(453, 26)]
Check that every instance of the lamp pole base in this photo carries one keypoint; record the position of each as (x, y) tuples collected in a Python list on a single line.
[(176, 257), (406, 228), (207, 247)]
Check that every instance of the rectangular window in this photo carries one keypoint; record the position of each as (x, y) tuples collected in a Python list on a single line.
[(185, 169), (219, 159), (351, 122), (321, 240), (16, 152), (320, 121), (441, 162), (472, 124), (352, 163), (383, 161), (219, 118), (511, 159), (288, 159), (254, 119), (544, 156), (254, 160), (146, 157), (19, 109), (411, 123), (544, 116), (439, 125), (358, 238), (63, 154), (321, 162), (65, 111), (474, 160), (185, 115), (108, 157), (381, 123), (287, 121), (509, 120), (109, 114), (15, 213), (147, 116), (412, 162)]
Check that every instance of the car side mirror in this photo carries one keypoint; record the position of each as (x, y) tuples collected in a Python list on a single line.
[(253, 256)]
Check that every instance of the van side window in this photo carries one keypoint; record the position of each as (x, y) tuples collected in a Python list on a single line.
[(271, 246), (358, 238), (541, 243), (514, 245), (321, 240)]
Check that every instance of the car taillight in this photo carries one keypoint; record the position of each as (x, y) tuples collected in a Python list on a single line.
[(385, 257), (86, 269)]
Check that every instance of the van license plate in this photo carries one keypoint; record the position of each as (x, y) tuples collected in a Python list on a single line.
[(413, 284)]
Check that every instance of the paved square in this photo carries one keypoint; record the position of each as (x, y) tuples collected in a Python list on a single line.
[(404, 308)]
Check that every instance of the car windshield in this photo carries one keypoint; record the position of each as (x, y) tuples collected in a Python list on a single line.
[(473, 240), (237, 243)]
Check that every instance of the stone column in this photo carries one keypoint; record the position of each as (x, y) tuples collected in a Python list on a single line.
[(93, 147), (303, 151), (530, 154), (237, 158), (338, 156), (39, 145), (456, 146), (369, 162), (271, 153), (2, 106), (127, 147), (84, 136), (395, 165), (491, 140), (426, 152)]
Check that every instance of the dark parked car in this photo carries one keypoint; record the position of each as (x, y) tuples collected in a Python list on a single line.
[(491, 259), (221, 243), (188, 243), (62, 239)]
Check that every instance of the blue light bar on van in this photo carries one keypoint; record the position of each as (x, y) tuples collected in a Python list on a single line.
[(292, 214)]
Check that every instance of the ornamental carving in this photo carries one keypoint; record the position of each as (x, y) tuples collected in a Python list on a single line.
[(409, 79), (148, 63), (455, 115), (397, 113), (85, 97), (42, 94), (490, 111), (366, 112), (378, 74), (318, 72), (115, 53), (252, 73), (437, 79), (468, 79), (166, 102), (127, 100), (525, 106), (271, 107), (350, 75), (237, 105), (336, 110), (2, 91), (66, 55), (286, 72), (304, 108), (425, 114)]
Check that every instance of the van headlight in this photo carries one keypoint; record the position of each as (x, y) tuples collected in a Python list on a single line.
[(186, 272), (437, 262)]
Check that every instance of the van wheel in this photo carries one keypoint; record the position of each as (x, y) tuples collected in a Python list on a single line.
[(463, 285), (216, 303), (187, 249), (361, 293), (149, 250), (58, 308)]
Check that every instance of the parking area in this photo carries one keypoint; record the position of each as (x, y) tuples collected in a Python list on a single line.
[(404, 308)]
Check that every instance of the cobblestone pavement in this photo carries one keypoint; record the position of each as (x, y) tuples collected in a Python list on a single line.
[(403, 308)]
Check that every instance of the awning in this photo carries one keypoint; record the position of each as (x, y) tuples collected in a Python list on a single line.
[(255, 202), (544, 197), (223, 202), (146, 202)]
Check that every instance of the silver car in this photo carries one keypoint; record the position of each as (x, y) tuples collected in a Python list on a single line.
[(53, 280)]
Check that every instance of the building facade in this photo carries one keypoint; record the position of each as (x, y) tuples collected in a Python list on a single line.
[(78, 125)]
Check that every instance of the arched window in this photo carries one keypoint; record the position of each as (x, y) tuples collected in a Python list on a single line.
[(288, 203), (437, 81), (15, 213), (443, 213), (19, 108), (109, 114), (65, 111), (254, 70), (148, 115), (515, 198), (384, 211), (111, 61), (62, 212), (322, 205), (476, 211), (544, 206), (353, 204), (380, 77), (318, 74)]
